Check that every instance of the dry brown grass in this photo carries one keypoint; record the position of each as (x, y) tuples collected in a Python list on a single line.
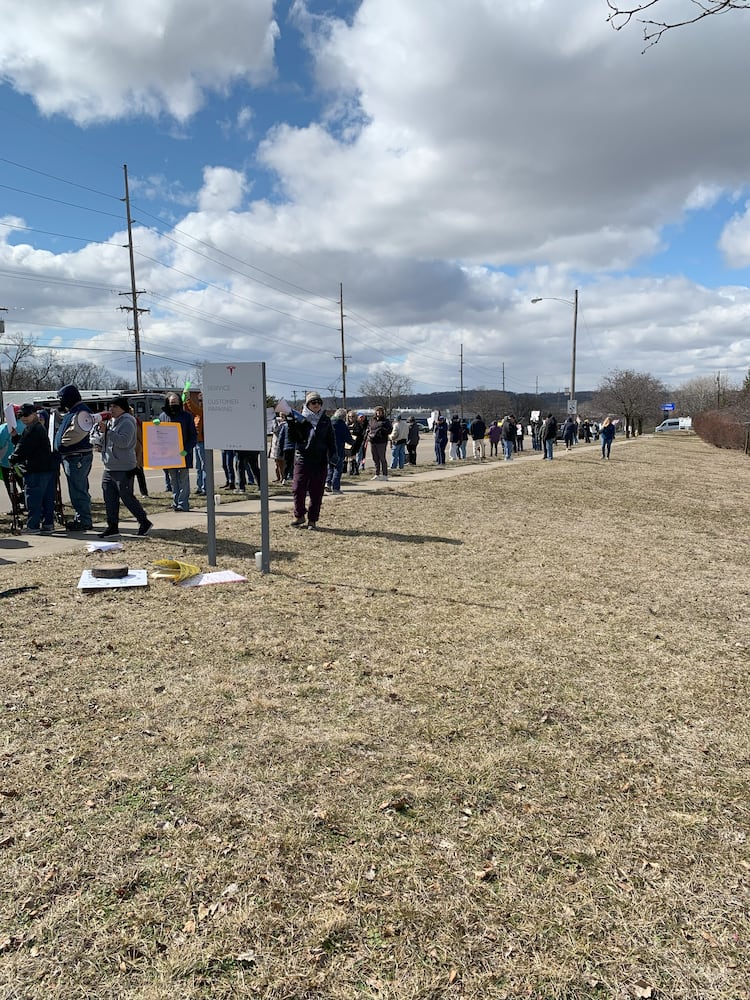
[(483, 737)]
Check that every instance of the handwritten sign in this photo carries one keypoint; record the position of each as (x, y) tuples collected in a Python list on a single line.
[(162, 446)]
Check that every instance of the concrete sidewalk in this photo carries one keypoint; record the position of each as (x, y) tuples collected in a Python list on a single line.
[(22, 548)]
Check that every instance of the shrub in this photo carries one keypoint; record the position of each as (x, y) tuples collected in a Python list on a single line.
[(726, 428)]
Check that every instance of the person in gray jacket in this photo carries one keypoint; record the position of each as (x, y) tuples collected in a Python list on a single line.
[(118, 440)]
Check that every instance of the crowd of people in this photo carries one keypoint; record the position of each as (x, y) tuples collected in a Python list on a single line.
[(310, 451)]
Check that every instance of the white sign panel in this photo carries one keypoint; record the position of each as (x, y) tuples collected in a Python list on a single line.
[(234, 406)]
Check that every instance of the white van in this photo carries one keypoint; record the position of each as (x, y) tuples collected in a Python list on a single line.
[(675, 424)]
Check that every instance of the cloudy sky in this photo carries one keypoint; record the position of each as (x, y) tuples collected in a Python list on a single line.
[(444, 162)]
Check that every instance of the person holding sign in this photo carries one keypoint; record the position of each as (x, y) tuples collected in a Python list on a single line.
[(314, 447), (179, 476)]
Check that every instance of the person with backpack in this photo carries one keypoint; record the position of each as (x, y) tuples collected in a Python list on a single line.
[(549, 436), (73, 445)]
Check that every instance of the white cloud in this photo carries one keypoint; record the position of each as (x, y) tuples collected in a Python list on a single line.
[(468, 157), (115, 58), (222, 190), (735, 240)]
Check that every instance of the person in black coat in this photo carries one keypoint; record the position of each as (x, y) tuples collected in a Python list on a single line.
[(34, 460), (314, 448)]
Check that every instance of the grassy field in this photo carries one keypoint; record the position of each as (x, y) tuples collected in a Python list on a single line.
[(482, 737)]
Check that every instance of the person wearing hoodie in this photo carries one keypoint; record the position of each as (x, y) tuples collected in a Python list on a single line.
[(454, 436), (34, 461), (179, 477), (412, 440), (378, 432), (119, 435), (440, 431), (397, 438), (495, 434), (343, 437), (314, 449), (194, 405), (73, 445)]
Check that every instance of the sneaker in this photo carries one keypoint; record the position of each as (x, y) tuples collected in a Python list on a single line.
[(337, 493), (312, 526), (31, 531), (77, 526), (143, 529), (47, 529), (375, 478), (239, 490), (298, 522), (110, 532)]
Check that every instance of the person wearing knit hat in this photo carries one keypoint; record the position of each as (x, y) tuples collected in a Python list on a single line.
[(119, 460), (33, 460), (76, 452), (314, 447)]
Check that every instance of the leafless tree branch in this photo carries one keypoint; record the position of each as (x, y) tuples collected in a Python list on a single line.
[(620, 16)]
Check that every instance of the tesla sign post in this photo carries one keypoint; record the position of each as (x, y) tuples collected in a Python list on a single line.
[(234, 417)]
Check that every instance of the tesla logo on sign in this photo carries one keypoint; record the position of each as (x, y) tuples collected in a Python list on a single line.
[(230, 369)]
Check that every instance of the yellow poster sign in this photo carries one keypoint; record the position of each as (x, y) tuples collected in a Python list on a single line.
[(162, 446)]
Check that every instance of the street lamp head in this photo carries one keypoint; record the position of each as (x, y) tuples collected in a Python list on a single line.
[(534, 301)]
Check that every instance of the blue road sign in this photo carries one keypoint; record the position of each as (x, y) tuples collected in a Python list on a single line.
[(667, 406)]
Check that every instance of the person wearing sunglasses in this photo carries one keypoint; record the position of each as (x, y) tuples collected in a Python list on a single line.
[(314, 449)]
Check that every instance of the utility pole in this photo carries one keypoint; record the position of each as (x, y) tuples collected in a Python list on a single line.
[(343, 353), (461, 387), (503, 376), (2, 330), (572, 406), (133, 293), (718, 390)]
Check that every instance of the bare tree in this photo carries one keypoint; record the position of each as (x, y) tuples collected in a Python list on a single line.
[(708, 392), (387, 388), (18, 350), (164, 378), (620, 16), (635, 396), (491, 404), (334, 390)]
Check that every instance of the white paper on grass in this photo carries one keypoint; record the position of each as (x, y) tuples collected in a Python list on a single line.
[(104, 546), (219, 576), (134, 578)]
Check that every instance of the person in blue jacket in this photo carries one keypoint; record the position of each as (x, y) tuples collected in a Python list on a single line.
[(343, 436), (440, 431), (607, 435)]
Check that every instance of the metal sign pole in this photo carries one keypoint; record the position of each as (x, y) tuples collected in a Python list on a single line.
[(265, 528), (210, 507)]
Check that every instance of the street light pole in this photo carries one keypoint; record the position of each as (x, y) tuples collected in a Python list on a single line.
[(572, 407)]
